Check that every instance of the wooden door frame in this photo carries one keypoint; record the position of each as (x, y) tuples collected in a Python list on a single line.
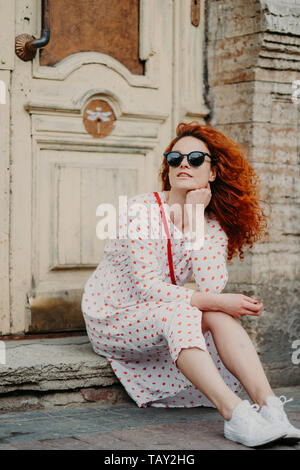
[(36, 98)]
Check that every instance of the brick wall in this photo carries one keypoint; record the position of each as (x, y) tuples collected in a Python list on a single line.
[(252, 60)]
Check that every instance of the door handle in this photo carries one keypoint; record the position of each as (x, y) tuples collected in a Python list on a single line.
[(27, 45), (195, 12)]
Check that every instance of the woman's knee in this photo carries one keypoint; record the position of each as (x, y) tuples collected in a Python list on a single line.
[(210, 319)]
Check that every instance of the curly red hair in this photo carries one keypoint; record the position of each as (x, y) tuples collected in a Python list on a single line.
[(235, 193)]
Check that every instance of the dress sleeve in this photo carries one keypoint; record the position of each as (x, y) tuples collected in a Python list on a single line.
[(146, 266), (209, 262)]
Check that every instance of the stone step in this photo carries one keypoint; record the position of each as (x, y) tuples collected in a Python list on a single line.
[(62, 372), (55, 372)]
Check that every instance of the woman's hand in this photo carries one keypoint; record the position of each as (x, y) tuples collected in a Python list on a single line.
[(198, 196), (238, 305)]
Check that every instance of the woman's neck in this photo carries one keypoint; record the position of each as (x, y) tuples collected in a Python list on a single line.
[(176, 197), (177, 215)]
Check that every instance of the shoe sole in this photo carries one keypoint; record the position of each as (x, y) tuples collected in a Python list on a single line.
[(278, 440), (291, 439), (256, 444)]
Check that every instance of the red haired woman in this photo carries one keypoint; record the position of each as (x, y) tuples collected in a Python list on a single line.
[(171, 346)]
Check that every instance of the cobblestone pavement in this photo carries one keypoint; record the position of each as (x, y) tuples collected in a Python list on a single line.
[(127, 427)]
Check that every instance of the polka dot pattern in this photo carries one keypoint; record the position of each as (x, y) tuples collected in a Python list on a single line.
[(139, 320)]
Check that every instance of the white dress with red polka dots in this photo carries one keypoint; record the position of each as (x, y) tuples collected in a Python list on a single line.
[(139, 320)]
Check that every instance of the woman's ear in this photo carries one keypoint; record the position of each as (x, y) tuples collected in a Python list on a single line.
[(213, 174)]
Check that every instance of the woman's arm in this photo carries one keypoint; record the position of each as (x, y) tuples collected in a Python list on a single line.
[(211, 258), (209, 262), (236, 305), (209, 302)]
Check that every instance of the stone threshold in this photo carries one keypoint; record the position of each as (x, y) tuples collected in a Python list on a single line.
[(51, 372), (65, 372)]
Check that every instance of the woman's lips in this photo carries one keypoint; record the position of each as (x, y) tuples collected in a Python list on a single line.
[(184, 175)]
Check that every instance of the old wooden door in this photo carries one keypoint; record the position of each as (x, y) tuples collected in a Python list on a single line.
[(91, 114)]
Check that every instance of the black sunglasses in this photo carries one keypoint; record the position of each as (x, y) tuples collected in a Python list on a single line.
[(195, 158)]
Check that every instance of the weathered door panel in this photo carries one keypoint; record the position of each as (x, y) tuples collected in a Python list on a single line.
[(60, 172)]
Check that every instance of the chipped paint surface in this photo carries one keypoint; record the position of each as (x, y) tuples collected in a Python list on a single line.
[(54, 173)]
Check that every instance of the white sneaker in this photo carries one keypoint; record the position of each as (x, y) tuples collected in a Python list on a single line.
[(274, 413), (248, 427)]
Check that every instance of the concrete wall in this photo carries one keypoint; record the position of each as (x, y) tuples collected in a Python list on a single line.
[(253, 59)]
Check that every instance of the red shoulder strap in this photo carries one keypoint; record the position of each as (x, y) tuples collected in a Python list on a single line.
[(168, 235)]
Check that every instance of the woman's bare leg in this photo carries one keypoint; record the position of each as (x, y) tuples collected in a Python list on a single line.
[(238, 354), (200, 369)]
